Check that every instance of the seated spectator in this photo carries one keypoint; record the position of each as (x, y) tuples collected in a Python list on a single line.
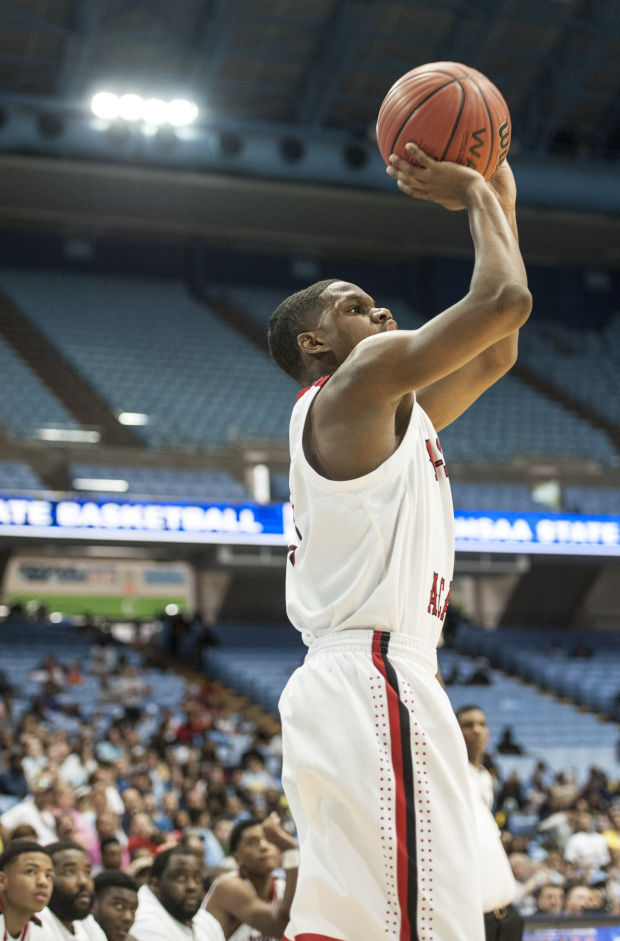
[(111, 853), (68, 912), (103, 657), (512, 790), (23, 832), (35, 810), (549, 900), (254, 777), (481, 675), (143, 834), (26, 882), (585, 848), (115, 904), (50, 674), (529, 877), (12, 778), (507, 744), (170, 904), (253, 898), (578, 900), (140, 868)]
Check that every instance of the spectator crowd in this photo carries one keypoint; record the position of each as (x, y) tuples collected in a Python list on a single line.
[(134, 780)]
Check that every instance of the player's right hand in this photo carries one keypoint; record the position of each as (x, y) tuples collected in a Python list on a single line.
[(438, 181)]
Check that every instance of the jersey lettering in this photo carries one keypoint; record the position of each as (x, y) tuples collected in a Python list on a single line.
[(436, 460), (438, 601)]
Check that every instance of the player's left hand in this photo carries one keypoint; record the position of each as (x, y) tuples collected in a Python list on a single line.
[(503, 185)]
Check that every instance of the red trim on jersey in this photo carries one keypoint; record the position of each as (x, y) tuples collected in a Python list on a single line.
[(319, 382)]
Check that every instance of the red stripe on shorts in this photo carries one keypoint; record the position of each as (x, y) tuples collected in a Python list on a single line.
[(311, 937), (404, 850)]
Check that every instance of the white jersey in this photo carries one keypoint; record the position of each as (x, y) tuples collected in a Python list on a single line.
[(155, 923), (52, 929), (376, 551)]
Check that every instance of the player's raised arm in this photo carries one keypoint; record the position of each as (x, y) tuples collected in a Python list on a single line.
[(498, 301)]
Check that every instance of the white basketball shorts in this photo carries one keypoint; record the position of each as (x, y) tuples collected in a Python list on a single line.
[(375, 772)]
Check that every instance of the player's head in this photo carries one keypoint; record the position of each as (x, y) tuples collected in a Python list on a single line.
[(177, 881), (312, 332), (72, 897), (26, 877), (116, 902), (297, 313), (111, 853), (473, 723), (253, 852), (550, 899)]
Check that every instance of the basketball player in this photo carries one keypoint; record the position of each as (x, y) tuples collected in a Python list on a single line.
[(252, 904), (26, 883), (502, 921), (375, 767)]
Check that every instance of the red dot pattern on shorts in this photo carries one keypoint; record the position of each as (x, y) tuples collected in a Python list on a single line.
[(386, 808)]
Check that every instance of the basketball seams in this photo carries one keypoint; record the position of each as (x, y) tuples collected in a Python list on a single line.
[(435, 91), (456, 123), (490, 117)]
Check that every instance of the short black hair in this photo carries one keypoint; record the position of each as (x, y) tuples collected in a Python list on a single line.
[(114, 879), (467, 708), (107, 840), (54, 848), (161, 860), (239, 829), (290, 318), (17, 847)]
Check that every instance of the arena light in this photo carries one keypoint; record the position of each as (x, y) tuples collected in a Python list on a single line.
[(131, 107), (135, 108), (181, 112), (155, 111), (70, 435), (105, 105), (110, 484), (132, 418)]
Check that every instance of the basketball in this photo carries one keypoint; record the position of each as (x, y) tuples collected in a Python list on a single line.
[(451, 111)]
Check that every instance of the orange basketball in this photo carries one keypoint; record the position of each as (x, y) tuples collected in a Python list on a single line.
[(450, 111)]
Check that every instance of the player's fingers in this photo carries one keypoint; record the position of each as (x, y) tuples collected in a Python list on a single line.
[(419, 155), (412, 189)]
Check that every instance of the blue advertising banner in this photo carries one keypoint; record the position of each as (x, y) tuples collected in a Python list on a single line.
[(272, 524), (142, 520)]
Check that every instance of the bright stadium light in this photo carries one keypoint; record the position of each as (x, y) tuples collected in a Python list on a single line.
[(131, 107), (71, 435), (181, 112), (106, 484), (105, 105), (155, 111), (132, 418)]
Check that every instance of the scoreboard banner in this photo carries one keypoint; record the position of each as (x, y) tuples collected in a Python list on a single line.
[(156, 521)]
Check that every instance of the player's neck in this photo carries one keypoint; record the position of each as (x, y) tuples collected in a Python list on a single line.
[(15, 920)]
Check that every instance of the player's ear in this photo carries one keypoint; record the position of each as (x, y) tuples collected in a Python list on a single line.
[(311, 342)]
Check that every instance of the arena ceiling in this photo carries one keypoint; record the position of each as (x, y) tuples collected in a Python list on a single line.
[(289, 90)]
